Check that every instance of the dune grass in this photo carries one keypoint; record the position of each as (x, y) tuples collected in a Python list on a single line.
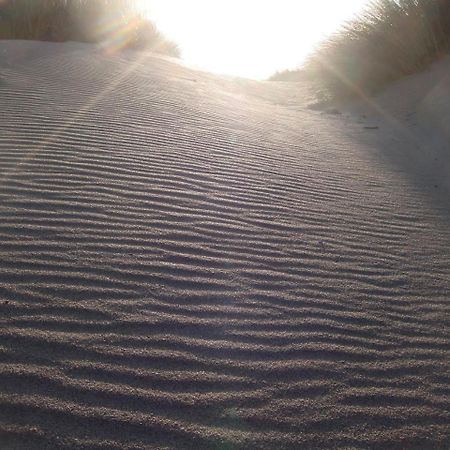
[(115, 23), (388, 40)]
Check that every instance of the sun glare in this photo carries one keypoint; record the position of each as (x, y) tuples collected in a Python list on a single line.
[(248, 38)]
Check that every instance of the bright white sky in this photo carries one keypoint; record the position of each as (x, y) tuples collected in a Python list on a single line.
[(248, 38)]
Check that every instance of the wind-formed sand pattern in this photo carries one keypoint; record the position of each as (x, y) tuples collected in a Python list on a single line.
[(190, 261)]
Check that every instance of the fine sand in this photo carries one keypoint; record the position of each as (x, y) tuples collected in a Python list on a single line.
[(198, 262)]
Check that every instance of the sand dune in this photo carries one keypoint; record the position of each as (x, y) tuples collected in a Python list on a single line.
[(192, 261)]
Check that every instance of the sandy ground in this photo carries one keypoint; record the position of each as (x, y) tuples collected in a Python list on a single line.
[(190, 261)]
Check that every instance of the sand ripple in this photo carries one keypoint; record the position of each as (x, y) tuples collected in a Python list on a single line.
[(188, 263)]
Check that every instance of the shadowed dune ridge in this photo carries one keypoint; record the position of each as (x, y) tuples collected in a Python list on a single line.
[(189, 261)]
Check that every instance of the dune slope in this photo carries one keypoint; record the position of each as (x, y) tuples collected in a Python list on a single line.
[(190, 261)]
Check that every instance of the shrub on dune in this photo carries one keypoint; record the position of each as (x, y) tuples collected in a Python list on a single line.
[(116, 23), (390, 39)]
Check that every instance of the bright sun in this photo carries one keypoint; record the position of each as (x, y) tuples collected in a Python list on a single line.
[(248, 38)]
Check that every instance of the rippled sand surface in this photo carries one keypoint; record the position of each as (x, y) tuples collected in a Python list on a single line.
[(192, 261)]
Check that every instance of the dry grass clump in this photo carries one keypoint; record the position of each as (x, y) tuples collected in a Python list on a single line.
[(390, 39), (116, 23)]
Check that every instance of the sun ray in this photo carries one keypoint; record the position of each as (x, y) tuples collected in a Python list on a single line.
[(72, 119)]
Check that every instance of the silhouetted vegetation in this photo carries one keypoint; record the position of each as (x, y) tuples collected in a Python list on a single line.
[(290, 75), (390, 39), (115, 23)]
